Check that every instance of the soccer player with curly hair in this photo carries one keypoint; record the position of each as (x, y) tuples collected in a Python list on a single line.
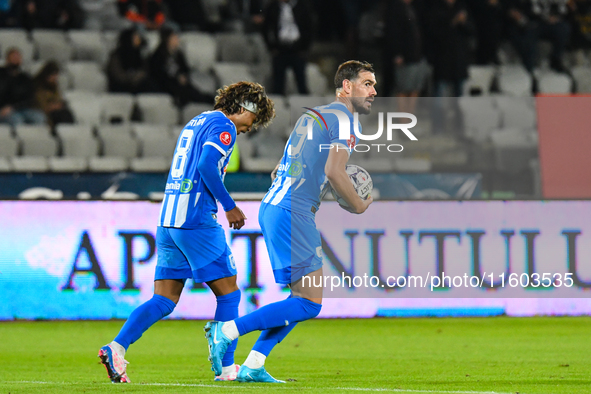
[(190, 241)]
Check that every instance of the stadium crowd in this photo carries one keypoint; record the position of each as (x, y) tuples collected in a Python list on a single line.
[(186, 49)]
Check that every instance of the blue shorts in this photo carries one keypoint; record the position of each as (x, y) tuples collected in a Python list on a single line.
[(202, 254), (293, 243)]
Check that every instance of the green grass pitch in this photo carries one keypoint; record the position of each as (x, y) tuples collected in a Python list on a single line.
[(431, 355)]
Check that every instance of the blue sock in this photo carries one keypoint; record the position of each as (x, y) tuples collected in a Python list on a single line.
[(278, 314), (227, 310), (142, 318), (269, 338)]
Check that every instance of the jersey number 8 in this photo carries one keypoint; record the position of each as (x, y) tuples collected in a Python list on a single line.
[(180, 157)]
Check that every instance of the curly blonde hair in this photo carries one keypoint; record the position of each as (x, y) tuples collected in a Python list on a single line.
[(230, 98)]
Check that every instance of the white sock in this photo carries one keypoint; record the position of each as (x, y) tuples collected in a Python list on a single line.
[(255, 360), (118, 348), (230, 330), (227, 371)]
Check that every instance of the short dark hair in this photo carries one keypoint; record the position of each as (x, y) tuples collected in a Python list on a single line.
[(230, 98), (350, 70)]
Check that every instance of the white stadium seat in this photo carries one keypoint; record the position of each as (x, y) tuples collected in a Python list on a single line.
[(68, 164), (107, 164), (85, 105), (158, 146), (157, 108), (120, 146), (200, 50), (80, 146), (229, 73), (32, 131), (554, 83), (29, 164), (150, 164), (582, 77), (193, 109), (88, 45), (143, 131), (514, 80), (116, 107), (52, 45), (88, 76)]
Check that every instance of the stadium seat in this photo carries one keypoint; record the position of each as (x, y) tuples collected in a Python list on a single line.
[(204, 82), (229, 73), (150, 164), (107, 164), (235, 48), (68, 164), (200, 50), (29, 164), (80, 146), (120, 146), (39, 146), (282, 123), (412, 165), (157, 108), (85, 105), (116, 107), (480, 116), (193, 109), (9, 146), (88, 45), (582, 77), (73, 130), (107, 130), (479, 79), (514, 80), (17, 38), (5, 164), (52, 45), (32, 132), (158, 146), (143, 131), (514, 148), (551, 82), (517, 112), (88, 76)]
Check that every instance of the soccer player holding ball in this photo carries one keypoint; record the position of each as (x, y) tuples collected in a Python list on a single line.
[(191, 243), (288, 224)]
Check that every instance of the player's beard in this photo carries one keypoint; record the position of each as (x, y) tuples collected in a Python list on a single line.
[(358, 105)]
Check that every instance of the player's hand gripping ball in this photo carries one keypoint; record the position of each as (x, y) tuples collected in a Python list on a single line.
[(362, 183)]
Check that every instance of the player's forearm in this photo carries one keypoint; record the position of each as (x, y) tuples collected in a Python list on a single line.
[(210, 174)]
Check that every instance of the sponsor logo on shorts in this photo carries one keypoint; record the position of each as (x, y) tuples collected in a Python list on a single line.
[(226, 138), (232, 262), (319, 251)]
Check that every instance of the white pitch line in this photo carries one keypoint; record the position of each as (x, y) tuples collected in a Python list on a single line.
[(251, 386)]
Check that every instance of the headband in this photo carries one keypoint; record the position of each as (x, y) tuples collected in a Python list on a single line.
[(250, 106)]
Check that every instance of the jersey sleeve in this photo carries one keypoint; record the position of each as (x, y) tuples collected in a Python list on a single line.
[(222, 137), (334, 131)]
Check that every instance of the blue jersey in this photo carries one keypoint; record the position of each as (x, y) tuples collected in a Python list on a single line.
[(188, 203), (301, 179)]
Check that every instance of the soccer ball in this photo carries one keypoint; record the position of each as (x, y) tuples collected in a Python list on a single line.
[(361, 182)]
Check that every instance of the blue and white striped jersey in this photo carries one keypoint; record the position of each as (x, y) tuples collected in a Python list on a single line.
[(187, 201), (301, 179)]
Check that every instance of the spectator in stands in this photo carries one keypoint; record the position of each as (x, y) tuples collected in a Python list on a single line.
[(49, 14), (17, 93), (49, 97), (488, 18), (451, 29), (580, 19), (403, 47), (170, 71), (288, 30), (148, 13), (532, 20), (127, 69)]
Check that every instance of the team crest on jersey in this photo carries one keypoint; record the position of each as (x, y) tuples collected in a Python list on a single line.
[(351, 142), (226, 138)]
